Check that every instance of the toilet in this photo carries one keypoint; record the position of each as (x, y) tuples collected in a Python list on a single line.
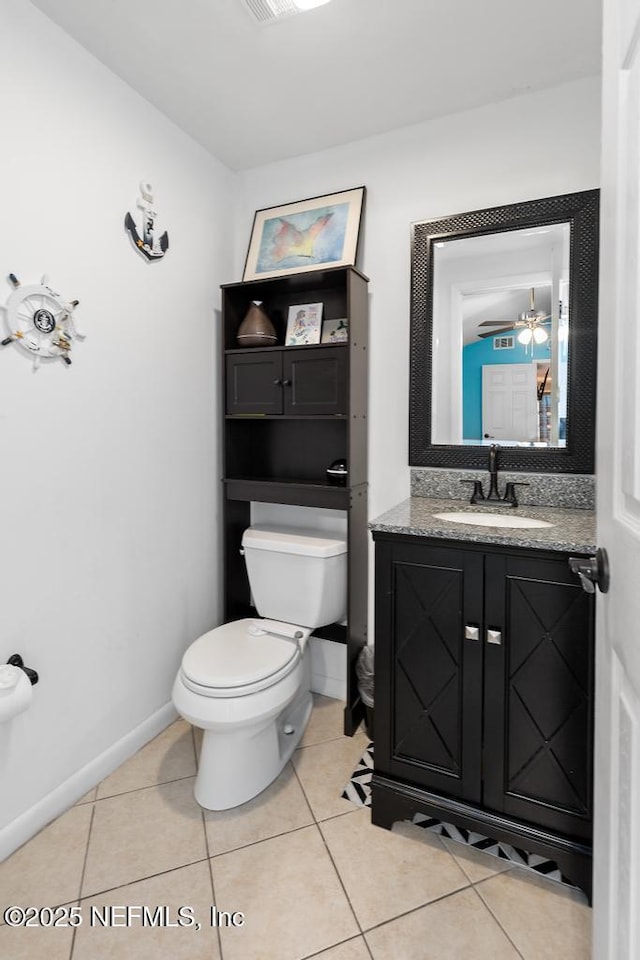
[(247, 683)]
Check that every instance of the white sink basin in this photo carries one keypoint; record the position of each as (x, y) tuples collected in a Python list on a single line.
[(493, 520)]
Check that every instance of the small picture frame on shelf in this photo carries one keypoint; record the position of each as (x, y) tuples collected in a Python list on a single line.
[(335, 331), (304, 322)]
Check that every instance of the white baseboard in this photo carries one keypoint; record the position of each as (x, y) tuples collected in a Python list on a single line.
[(329, 686), (64, 796)]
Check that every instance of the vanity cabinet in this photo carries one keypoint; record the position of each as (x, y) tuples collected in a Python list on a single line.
[(484, 694), (288, 413)]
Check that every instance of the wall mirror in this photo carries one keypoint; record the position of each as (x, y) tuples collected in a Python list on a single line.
[(503, 336)]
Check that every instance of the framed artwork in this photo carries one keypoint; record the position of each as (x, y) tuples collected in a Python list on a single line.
[(335, 331), (303, 324), (302, 236)]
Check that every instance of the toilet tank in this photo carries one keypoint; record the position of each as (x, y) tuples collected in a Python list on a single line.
[(297, 575)]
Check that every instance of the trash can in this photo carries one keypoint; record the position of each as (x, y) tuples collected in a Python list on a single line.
[(364, 673)]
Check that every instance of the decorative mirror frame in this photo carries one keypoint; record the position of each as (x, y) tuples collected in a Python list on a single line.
[(581, 211)]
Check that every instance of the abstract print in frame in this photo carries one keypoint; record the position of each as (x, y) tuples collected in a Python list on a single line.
[(302, 236)]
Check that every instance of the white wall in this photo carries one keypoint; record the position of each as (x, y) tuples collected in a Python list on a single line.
[(109, 475), (535, 146)]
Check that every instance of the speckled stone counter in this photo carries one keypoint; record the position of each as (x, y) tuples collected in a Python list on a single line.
[(576, 491), (573, 531)]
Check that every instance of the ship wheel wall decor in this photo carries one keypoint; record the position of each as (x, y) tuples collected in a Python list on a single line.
[(40, 321), (144, 240)]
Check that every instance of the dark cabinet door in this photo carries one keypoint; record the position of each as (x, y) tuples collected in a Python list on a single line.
[(254, 383), (300, 382), (538, 694), (428, 690), (315, 381)]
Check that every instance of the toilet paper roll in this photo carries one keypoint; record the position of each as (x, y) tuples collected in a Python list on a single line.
[(15, 692)]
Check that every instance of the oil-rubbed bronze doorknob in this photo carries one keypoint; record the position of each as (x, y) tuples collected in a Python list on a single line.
[(593, 571)]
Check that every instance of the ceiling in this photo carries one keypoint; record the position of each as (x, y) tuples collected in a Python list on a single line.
[(252, 93)]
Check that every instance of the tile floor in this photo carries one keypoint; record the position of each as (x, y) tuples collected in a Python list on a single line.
[(311, 875)]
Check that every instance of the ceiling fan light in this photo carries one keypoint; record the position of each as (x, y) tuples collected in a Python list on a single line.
[(540, 335), (525, 336)]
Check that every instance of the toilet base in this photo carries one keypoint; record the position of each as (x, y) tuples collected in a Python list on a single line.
[(235, 767)]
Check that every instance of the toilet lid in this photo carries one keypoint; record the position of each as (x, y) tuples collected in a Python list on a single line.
[(231, 657)]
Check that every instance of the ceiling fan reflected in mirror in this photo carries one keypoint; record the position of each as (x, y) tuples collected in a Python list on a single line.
[(530, 320)]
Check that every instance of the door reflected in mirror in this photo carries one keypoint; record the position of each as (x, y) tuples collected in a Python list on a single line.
[(501, 338)]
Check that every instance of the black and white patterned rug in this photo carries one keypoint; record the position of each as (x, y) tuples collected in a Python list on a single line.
[(358, 791)]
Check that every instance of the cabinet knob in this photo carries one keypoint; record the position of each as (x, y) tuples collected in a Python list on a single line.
[(286, 383), (277, 383), (471, 633), (494, 636)]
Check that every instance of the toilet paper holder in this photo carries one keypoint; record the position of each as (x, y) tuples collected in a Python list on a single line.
[(15, 660)]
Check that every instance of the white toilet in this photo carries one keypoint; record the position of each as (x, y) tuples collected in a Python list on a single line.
[(247, 683)]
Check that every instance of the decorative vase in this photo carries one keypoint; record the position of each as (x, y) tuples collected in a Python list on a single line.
[(256, 330)]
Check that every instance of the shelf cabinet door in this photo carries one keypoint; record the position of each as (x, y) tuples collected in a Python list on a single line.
[(315, 381), (539, 694), (428, 693), (254, 383)]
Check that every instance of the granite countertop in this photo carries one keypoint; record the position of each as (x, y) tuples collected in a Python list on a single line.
[(573, 531)]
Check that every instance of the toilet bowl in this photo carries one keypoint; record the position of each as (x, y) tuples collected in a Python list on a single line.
[(246, 683)]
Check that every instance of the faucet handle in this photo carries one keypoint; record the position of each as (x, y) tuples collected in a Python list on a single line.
[(477, 496), (510, 491)]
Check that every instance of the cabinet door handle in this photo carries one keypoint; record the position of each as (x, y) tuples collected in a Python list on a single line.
[(494, 636), (471, 633)]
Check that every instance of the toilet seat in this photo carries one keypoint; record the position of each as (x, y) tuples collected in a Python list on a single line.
[(231, 661)]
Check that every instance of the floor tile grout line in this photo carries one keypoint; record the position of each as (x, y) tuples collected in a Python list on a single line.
[(332, 816), (148, 786), (366, 943), (304, 792), (348, 898), (336, 816), (491, 912), (83, 803), (468, 885), (319, 953), (209, 857), (318, 743), (510, 866), (82, 876), (421, 906), (253, 843), (319, 828), (213, 885), (459, 862), (149, 876)]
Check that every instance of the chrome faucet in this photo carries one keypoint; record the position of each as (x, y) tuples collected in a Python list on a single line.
[(494, 496)]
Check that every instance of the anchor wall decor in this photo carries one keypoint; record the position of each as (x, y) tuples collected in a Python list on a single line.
[(145, 241)]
